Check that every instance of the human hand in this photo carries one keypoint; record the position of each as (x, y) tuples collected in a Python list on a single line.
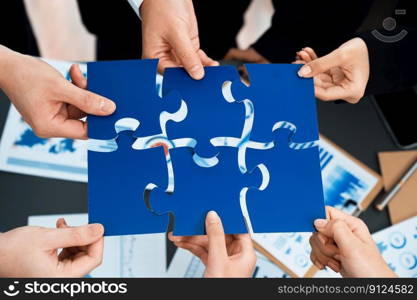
[(344, 244), (248, 55), (33, 251), (170, 33), (342, 74), (223, 256), (49, 103)]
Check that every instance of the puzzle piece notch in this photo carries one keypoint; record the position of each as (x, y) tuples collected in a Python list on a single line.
[(294, 197), (199, 190), (131, 84), (111, 144), (116, 186), (278, 85), (208, 110)]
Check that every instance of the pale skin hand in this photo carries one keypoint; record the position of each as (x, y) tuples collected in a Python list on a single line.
[(48, 102), (342, 74), (247, 55), (170, 33), (344, 244), (33, 251), (223, 255)]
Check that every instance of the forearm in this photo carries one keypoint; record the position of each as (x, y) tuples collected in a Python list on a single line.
[(7, 57), (320, 25)]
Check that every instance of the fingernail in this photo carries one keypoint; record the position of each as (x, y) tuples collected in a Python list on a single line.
[(107, 106), (197, 71), (96, 229), (212, 217), (304, 71), (320, 222), (337, 257)]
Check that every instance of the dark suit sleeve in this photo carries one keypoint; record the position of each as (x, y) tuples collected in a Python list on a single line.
[(392, 65), (322, 25), (392, 61)]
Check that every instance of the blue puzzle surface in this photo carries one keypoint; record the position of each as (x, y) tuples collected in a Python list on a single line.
[(117, 180), (131, 84), (294, 196), (199, 190), (279, 94), (116, 183), (209, 114)]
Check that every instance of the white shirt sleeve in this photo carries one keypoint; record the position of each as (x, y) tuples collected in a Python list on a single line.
[(135, 5)]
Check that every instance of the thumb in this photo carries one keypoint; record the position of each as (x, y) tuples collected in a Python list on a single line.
[(339, 231), (74, 236), (321, 65), (216, 238), (187, 55), (87, 101)]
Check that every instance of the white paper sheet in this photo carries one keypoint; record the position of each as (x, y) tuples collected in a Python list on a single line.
[(345, 183), (398, 246), (292, 249), (327, 273)]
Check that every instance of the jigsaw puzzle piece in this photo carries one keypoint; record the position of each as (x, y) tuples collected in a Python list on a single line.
[(278, 94), (131, 84), (209, 113), (199, 190), (293, 198), (116, 183)]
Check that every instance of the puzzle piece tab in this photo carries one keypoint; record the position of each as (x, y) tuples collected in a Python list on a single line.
[(131, 84), (199, 190), (116, 183), (209, 114), (278, 94), (293, 198)]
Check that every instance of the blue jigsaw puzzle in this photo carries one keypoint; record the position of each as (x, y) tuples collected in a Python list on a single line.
[(116, 184), (199, 190), (209, 114), (131, 84), (216, 107), (293, 198), (279, 94)]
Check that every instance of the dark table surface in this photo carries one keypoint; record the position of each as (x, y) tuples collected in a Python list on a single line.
[(356, 128)]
